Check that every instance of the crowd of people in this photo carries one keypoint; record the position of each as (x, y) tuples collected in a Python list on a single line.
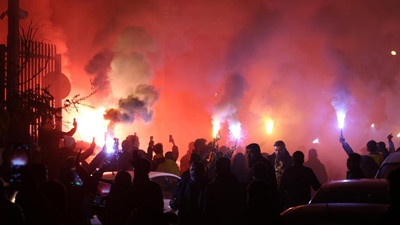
[(217, 186)]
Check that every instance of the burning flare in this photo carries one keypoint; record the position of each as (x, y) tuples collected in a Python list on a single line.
[(216, 126), (269, 125), (341, 116), (235, 129), (92, 124)]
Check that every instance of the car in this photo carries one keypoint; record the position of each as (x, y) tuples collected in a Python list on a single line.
[(391, 162), (168, 183), (362, 201)]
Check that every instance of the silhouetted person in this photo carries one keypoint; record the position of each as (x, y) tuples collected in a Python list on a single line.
[(194, 157), (296, 182), (354, 167), (118, 204), (392, 215), (158, 158), (281, 159), (263, 205), (224, 202), (369, 163), (254, 156), (239, 168), (36, 208), (169, 165), (49, 140), (382, 146), (145, 193), (185, 160), (316, 165), (53, 190), (189, 197), (10, 214)]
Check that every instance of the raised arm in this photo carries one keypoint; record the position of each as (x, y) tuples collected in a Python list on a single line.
[(73, 130), (346, 146), (391, 144)]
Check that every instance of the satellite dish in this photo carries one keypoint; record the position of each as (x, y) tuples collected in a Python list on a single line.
[(58, 83)]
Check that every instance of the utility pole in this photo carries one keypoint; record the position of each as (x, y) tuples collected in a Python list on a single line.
[(12, 54)]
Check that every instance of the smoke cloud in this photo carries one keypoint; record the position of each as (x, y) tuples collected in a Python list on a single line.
[(99, 66), (299, 61), (136, 105)]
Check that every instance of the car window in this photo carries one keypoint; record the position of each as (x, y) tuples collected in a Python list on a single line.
[(168, 185), (352, 196)]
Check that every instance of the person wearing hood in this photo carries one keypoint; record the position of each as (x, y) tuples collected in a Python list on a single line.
[(281, 159)]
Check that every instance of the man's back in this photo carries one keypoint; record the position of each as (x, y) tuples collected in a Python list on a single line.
[(295, 185)]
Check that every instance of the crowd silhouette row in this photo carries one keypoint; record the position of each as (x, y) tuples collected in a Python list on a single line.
[(217, 185)]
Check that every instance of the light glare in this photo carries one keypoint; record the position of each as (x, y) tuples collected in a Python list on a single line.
[(269, 125)]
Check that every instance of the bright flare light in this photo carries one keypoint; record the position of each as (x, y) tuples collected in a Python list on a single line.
[(341, 116), (110, 144), (91, 124), (373, 125), (398, 135), (316, 141), (235, 130), (393, 52), (216, 126), (269, 125)]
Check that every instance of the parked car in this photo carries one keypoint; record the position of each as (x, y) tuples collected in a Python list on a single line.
[(361, 201), (391, 162), (168, 183)]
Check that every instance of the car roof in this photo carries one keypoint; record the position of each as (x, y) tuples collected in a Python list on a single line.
[(356, 184), (392, 158), (110, 175), (361, 190)]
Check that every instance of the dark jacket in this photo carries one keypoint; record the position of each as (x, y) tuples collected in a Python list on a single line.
[(296, 183)]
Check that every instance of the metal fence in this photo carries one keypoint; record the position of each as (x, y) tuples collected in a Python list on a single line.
[(36, 60)]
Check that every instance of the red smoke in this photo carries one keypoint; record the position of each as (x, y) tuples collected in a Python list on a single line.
[(295, 57)]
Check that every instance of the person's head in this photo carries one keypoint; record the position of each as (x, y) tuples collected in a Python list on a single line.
[(239, 160), (253, 152), (123, 178), (298, 158), (279, 146), (381, 145), (204, 152), (198, 143), (169, 155), (69, 142), (223, 166), (372, 147), (142, 167), (126, 145), (312, 154), (194, 157), (158, 148), (353, 161), (197, 171)]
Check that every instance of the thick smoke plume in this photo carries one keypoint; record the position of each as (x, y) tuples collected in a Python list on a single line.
[(227, 107), (136, 105), (99, 66)]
